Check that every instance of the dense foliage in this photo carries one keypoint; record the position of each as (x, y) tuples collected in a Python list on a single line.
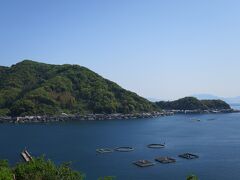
[(192, 177), (38, 169), (191, 103), (42, 169), (216, 104), (32, 88)]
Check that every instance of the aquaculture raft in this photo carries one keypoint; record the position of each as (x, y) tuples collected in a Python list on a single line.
[(156, 146), (104, 150), (124, 149), (188, 156), (165, 160), (143, 163)]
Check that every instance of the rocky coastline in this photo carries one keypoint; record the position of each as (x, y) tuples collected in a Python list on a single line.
[(76, 117), (92, 117)]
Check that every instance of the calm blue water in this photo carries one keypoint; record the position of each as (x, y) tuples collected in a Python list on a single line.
[(216, 139)]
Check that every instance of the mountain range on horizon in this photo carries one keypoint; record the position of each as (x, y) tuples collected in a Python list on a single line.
[(203, 96), (229, 100)]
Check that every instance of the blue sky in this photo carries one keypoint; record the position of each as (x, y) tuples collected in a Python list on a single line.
[(158, 48)]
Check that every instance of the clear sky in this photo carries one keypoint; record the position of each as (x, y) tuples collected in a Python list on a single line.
[(158, 48)]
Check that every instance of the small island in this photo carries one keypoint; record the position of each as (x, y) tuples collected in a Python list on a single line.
[(193, 105)]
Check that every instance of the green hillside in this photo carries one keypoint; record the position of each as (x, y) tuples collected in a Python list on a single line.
[(192, 103), (32, 88)]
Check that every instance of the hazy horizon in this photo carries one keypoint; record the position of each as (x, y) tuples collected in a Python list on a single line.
[(158, 49)]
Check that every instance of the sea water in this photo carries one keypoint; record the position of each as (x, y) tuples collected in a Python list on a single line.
[(214, 137)]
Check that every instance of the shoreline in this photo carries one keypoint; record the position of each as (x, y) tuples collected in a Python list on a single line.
[(117, 116)]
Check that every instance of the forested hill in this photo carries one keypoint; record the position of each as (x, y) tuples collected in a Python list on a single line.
[(192, 103), (33, 88)]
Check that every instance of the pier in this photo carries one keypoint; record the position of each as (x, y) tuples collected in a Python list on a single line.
[(26, 156)]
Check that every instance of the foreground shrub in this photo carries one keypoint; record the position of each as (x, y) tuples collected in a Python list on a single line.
[(38, 169)]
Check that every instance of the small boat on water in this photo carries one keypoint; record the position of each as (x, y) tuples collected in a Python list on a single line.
[(196, 120), (211, 119)]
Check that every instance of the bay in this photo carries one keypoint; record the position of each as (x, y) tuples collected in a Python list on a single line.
[(215, 138)]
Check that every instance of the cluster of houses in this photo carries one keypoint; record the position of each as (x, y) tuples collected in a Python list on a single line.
[(70, 117), (78, 117)]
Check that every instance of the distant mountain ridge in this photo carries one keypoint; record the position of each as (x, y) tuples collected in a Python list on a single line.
[(33, 88), (229, 100)]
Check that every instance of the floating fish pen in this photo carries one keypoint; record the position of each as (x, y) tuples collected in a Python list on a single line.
[(188, 156), (104, 150), (143, 163), (165, 160), (124, 149), (156, 146)]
